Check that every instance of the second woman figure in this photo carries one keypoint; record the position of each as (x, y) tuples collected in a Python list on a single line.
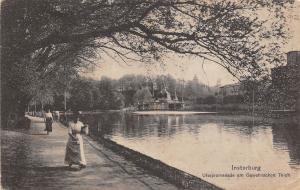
[(48, 121)]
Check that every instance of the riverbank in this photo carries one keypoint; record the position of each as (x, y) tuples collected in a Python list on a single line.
[(160, 169), (205, 144), (171, 112), (31, 159)]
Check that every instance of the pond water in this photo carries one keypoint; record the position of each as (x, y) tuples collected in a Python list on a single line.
[(206, 145)]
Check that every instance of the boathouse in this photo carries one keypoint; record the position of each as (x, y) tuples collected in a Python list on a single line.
[(162, 101)]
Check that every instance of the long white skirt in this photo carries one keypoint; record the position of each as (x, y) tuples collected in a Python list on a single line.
[(74, 151)]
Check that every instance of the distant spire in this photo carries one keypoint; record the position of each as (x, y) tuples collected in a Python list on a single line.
[(175, 98), (195, 78), (164, 84)]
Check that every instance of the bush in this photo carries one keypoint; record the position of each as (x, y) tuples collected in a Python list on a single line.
[(234, 99), (210, 100)]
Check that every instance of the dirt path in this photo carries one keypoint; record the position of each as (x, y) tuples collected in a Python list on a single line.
[(30, 159)]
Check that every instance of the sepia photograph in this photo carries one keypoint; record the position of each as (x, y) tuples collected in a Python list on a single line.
[(150, 94)]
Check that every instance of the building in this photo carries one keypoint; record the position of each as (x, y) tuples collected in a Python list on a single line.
[(230, 93), (286, 83), (162, 101), (283, 77), (230, 90)]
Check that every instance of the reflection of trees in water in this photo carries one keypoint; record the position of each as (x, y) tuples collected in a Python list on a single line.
[(137, 126), (157, 126), (286, 136), (161, 125), (242, 125), (102, 124), (168, 125), (246, 130)]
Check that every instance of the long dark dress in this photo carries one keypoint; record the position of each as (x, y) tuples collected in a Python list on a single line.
[(49, 124)]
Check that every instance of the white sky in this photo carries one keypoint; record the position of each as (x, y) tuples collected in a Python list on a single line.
[(187, 68)]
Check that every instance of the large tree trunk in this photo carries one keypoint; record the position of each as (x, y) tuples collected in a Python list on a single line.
[(13, 80), (297, 107), (13, 107)]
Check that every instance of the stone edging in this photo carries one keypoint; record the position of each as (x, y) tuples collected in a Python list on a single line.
[(160, 169)]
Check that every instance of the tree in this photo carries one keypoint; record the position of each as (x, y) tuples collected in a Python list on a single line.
[(129, 84), (143, 96), (106, 90), (194, 89), (43, 32), (81, 95), (118, 101), (210, 100), (171, 84)]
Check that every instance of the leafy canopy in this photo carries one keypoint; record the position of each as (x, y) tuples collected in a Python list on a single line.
[(230, 33)]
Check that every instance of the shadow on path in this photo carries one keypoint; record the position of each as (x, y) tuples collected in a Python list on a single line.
[(31, 159)]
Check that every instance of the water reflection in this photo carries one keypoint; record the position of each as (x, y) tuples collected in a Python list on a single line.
[(208, 143), (286, 136)]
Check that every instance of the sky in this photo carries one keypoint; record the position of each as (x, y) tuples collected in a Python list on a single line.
[(186, 68)]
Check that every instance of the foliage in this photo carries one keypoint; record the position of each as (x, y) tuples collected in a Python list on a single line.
[(194, 89), (91, 95), (210, 100), (39, 37), (227, 32), (128, 86), (86, 94), (233, 99), (81, 95), (142, 96)]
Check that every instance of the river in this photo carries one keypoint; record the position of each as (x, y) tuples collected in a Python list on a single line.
[(205, 145)]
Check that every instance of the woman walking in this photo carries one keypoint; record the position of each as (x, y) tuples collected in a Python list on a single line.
[(74, 150), (48, 120)]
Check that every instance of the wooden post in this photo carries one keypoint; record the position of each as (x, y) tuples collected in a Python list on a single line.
[(65, 100)]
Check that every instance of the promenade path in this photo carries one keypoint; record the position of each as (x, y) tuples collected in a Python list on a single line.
[(30, 159)]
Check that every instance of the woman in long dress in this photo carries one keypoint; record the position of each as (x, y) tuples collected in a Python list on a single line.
[(74, 150), (48, 120)]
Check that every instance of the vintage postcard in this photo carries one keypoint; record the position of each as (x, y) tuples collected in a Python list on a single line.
[(150, 94)]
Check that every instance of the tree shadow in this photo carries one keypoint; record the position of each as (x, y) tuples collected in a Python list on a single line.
[(54, 169), (37, 121), (27, 131), (15, 177), (49, 169)]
